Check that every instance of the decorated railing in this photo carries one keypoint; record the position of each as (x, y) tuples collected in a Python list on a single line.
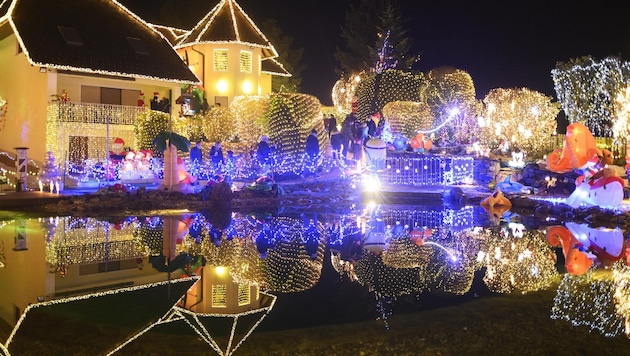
[(424, 170), (97, 113)]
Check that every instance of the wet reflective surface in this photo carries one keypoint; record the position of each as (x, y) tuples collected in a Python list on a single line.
[(221, 276)]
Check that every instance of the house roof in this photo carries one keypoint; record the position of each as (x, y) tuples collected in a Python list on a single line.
[(62, 34), (172, 34), (228, 23), (272, 66)]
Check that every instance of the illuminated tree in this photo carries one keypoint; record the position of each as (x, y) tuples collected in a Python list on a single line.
[(148, 125), (590, 302), (451, 96), (587, 89), (363, 32), (621, 279), (621, 121), (391, 85), (524, 118), (344, 91)]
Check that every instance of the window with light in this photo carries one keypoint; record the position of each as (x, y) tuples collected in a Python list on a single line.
[(220, 60), (243, 294), (219, 296), (246, 62)]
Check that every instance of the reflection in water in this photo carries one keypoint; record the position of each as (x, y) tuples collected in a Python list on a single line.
[(242, 260)]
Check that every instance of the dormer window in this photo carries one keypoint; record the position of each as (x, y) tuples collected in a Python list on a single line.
[(70, 35), (138, 46)]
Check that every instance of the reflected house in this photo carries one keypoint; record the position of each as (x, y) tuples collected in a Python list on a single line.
[(66, 257), (76, 80), (67, 260)]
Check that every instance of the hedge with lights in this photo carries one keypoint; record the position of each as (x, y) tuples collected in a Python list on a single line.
[(408, 117), (375, 91), (219, 125), (249, 114), (587, 89), (524, 118)]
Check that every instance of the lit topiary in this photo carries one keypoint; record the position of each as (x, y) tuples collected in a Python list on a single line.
[(408, 117), (344, 91), (290, 119), (524, 118)]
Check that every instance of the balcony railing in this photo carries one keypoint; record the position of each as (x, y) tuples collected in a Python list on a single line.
[(90, 113)]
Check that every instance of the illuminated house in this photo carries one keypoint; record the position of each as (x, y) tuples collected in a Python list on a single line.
[(228, 52), (71, 67)]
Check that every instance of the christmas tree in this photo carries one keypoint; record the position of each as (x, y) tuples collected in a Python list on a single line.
[(385, 56), (50, 171)]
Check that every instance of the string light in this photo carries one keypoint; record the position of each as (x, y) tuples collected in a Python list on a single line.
[(587, 89)]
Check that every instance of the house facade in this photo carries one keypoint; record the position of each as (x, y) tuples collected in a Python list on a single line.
[(228, 52), (74, 83)]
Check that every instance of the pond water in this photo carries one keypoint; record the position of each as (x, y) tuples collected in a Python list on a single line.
[(225, 275)]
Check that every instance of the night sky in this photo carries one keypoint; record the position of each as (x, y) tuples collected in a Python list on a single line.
[(501, 44)]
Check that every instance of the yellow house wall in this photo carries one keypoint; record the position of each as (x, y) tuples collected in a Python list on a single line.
[(210, 278), (25, 90), (28, 93), (203, 67), (25, 274)]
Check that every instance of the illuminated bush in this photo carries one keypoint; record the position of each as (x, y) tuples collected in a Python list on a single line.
[(148, 125), (408, 117), (524, 118), (451, 96)]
